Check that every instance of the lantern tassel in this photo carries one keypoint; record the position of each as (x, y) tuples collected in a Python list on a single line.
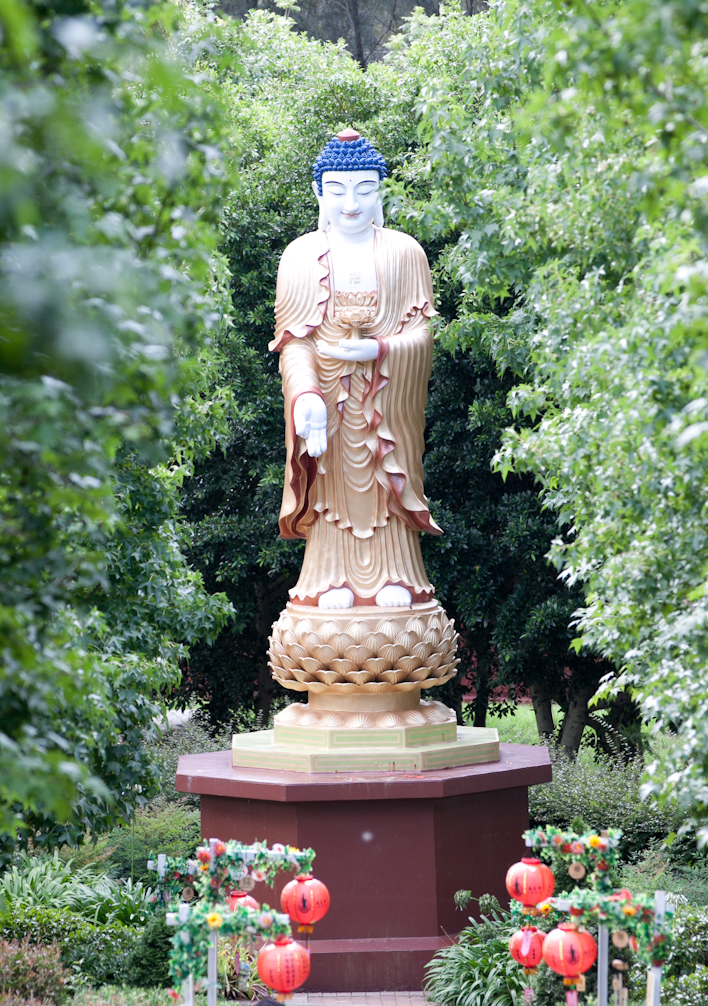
[(571, 997), (526, 942)]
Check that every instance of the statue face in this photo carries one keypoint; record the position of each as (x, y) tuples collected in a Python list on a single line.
[(350, 199)]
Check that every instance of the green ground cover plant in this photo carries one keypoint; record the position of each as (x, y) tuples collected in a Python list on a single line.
[(46, 881), (478, 970)]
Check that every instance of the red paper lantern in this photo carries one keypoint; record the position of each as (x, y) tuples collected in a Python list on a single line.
[(529, 882), (305, 899), (283, 965), (526, 947), (568, 952), (237, 898)]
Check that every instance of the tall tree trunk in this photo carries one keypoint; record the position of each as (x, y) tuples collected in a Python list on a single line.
[(482, 687), (355, 21), (266, 685), (541, 701), (575, 720)]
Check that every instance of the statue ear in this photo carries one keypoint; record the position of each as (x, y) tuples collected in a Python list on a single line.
[(379, 216), (322, 222)]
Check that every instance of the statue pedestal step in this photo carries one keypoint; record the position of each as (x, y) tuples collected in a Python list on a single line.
[(392, 749)]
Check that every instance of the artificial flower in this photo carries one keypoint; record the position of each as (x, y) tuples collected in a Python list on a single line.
[(214, 920)]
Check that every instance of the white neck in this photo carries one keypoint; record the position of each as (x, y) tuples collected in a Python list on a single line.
[(353, 261)]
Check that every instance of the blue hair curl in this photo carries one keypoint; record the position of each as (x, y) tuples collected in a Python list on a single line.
[(348, 155)]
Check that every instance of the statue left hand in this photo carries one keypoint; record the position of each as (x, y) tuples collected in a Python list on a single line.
[(357, 350)]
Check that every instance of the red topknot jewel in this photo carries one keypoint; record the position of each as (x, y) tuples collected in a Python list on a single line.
[(347, 135)]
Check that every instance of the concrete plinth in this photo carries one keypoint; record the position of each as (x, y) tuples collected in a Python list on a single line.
[(392, 848)]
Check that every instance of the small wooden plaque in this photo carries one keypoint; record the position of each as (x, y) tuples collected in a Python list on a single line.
[(620, 939), (188, 894), (247, 883), (577, 871)]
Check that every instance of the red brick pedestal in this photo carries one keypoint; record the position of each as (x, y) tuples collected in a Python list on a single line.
[(391, 847)]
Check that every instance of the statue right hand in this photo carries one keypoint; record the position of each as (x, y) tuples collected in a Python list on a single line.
[(310, 417)]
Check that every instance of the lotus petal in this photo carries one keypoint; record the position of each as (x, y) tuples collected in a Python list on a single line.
[(343, 666), (393, 652), (325, 654), (310, 664), (376, 665), (358, 654), (393, 677), (408, 664), (310, 640), (432, 636), (416, 627), (422, 650), (374, 641), (434, 660), (288, 638), (297, 652), (421, 674), (303, 676), (341, 641), (357, 630), (281, 672), (407, 640), (329, 677), (359, 677), (328, 629), (388, 629), (302, 627), (276, 646), (286, 661)]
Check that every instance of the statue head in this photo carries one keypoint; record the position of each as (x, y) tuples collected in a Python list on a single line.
[(346, 177)]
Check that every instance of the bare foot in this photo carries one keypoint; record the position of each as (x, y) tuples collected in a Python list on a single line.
[(338, 597), (393, 597)]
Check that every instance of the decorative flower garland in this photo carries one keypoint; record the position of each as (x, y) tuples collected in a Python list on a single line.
[(190, 945), (620, 910), (596, 853), (228, 865), (218, 868)]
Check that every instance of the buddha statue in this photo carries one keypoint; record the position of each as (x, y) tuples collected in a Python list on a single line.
[(352, 308), (362, 632)]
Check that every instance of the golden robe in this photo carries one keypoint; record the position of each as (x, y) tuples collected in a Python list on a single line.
[(361, 505)]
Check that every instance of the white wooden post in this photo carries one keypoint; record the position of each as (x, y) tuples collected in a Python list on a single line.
[(175, 919), (654, 974), (602, 965), (212, 961)]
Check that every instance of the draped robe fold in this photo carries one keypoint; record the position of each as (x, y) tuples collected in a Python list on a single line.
[(361, 505)]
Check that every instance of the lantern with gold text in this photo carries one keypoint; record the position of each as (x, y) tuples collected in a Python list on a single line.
[(569, 953), (306, 900), (283, 965), (530, 882)]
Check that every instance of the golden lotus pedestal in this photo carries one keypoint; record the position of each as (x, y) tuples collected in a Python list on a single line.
[(364, 669)]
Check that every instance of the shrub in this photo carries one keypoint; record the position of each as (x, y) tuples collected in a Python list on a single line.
[(91, 952), (148, 966), (194, 737), (687, 990), (173, 828), (478, 970), (28, 971), (605, 794)]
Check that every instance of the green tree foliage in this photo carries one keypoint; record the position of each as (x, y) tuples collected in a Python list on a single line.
[(116, 151), (569, 163), (489, 567)]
